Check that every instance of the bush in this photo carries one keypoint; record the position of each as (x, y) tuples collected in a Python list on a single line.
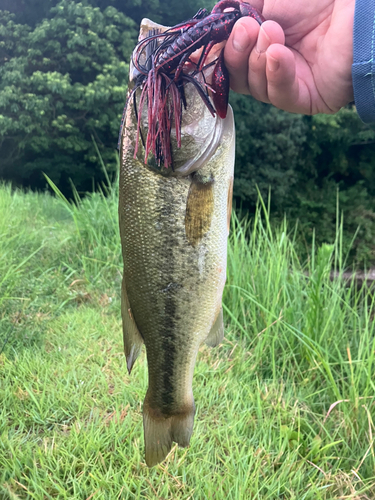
[(316, 168), (61, 84)]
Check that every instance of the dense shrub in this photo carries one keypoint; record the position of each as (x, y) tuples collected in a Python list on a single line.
[(61, 84), (166, 12), (316, 167)]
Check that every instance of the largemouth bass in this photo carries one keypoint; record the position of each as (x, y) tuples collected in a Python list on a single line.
[(174, 225)]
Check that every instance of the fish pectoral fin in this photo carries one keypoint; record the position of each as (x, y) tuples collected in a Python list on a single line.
[(160, 432), (199, 211), (132, 338), (216, 335)]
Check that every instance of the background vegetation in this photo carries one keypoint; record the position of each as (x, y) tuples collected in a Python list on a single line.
[(63, 80), (286, 403), (285, 406)]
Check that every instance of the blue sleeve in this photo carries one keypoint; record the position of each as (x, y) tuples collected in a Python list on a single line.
[(363, 69)]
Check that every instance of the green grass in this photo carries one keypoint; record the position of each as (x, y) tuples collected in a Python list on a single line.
[(285, 406)]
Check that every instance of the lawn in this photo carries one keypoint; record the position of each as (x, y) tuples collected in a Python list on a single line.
[(285, 406)]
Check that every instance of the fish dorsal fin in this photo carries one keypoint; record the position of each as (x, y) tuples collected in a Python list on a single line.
[(216, 335), (132, 338)]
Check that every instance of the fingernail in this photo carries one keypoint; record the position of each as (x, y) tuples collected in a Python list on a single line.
[(272, 64), (240, 38), (263, 41)]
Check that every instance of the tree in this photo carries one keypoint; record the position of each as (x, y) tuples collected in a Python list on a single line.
[(172, 12), (310, 164), (271, 150), (60, 84)]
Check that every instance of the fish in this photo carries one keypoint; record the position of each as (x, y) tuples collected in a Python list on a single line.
[(174, 226)]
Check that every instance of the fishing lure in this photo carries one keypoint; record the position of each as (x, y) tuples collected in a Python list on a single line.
[(163, 65)]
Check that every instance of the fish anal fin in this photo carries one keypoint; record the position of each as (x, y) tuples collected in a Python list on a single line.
[(132, 338), (216, 335), (160, 432)]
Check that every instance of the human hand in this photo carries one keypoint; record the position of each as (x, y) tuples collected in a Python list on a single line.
[(299, 59)]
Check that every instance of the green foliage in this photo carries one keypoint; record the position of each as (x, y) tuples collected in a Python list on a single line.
[(165, 12), (270, 151), (316, 168), (28, 11), (341, 182), (60, 84)]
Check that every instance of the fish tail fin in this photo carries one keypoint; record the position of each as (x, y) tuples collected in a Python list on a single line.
[(160, 432), (182, 427)]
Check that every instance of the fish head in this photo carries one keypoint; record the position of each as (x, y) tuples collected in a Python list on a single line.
[(201, 130)]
